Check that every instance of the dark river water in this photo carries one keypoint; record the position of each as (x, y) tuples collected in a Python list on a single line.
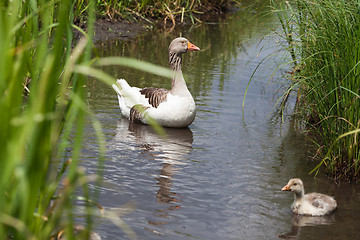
[(221, 177)]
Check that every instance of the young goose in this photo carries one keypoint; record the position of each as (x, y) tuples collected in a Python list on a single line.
[(313, 204), (170, 108)]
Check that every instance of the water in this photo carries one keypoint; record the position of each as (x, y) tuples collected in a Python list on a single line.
[(221, 177)]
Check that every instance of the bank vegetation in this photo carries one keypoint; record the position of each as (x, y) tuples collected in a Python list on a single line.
[(323, 40), (165, 11)]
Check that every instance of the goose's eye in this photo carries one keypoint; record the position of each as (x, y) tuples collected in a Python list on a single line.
[(295, 184), (182, 42)]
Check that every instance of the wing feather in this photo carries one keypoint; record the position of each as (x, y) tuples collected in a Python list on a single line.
[(155, 96)]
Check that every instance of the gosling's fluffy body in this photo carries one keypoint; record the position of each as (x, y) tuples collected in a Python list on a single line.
[(311, 204)]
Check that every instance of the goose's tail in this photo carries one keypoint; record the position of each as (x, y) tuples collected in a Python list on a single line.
[(121, 87)]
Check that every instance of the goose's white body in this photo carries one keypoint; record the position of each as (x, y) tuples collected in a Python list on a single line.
[(177, 111), (169, 108)]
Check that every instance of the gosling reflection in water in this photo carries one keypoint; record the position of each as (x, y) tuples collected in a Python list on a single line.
[(299, 221)]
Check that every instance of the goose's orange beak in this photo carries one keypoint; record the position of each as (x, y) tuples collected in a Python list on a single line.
[(286, 188), (192, 47)]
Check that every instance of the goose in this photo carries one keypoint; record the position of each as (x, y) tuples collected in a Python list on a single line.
[(312, 204), (170, 108)]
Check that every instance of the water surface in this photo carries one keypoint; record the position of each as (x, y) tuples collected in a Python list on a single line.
[(221, 177)]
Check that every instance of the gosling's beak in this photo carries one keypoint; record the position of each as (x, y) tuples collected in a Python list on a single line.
[(192, 47), (286, 188)]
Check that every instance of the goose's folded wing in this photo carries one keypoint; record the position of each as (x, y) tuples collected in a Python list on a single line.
[(155, 96), (321, 201)]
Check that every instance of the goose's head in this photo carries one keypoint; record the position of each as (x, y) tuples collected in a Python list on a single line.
[(294, 185), (182, 45)]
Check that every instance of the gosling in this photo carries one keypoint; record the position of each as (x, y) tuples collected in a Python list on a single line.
[(311, 204)]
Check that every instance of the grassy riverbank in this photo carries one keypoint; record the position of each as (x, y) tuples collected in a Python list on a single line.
[(152, 10), (323, 41)]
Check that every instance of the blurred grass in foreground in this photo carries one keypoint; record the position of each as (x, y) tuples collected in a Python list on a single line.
[(43, 76), (41, 104)]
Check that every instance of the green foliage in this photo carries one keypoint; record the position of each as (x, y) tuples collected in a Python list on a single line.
[(323, 41), (41, 103), (43, 76)]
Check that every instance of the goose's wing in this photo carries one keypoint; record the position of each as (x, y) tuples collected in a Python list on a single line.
[(321, 201), (317, 200), (155, 96)]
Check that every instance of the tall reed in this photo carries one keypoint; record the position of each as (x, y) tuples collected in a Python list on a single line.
[(41, 104), (323, 41), (43, 76)]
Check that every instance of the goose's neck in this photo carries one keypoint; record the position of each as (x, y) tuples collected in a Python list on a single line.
[(299, 195), (178, 84)]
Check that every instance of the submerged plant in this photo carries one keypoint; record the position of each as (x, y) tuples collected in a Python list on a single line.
[(323, 41)]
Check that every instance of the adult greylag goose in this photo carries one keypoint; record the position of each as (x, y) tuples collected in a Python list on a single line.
[(313, 204), (170, 108)]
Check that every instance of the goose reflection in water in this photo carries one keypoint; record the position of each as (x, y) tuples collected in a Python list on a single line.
[(299, 221), (171, 151)]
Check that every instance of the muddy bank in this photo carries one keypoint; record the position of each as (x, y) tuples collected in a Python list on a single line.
[(106, 30)]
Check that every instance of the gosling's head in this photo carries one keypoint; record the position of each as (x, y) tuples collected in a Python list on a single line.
[(294, 185)]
